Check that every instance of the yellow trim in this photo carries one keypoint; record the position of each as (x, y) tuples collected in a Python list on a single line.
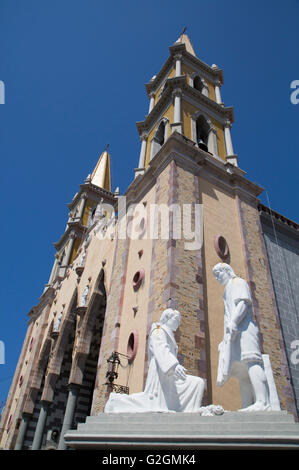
[(220, 138), (170, 75), (168, 115), (188, 71), (89, 203), (75, 248)]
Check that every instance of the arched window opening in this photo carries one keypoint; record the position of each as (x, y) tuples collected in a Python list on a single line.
[(202, 133), (197, 84), (160, 135)]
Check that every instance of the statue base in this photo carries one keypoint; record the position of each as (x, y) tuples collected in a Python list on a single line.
[(231, 430)]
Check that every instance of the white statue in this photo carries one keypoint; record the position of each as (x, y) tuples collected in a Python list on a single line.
[(239, 352), (81, 259), (100, 212), (168, 388), (84, 296), (57, 322)]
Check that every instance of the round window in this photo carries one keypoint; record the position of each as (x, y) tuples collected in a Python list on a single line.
[(221, 247), (138, 278), (132, 346)]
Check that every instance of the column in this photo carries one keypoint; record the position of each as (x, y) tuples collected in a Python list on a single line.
[(53, 272), (142, 151), (83, 199), (22, 431), (39, 431), (69, 414), (152, 102), (228, 139), (66, 258), (217, 93), (178, 65), (177, 124), (230, 156), (212, 142), (69, 250)]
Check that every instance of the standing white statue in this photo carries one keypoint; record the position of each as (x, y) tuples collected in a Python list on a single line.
[(84, 297), (168, 388), (57, 322), (239, 352), (81, 259)]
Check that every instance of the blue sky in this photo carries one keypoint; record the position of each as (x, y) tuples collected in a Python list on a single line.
[(74, 74)]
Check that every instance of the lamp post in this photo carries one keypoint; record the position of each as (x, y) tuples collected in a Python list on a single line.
[(112, 373)]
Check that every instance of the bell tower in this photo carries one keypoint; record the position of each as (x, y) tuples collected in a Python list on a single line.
[(119, 264), (185, 97), (83, 212)]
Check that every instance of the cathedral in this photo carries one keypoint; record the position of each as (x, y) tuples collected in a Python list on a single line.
[(124, 258)]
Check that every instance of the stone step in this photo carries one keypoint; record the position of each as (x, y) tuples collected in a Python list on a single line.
[(189, 418), (211, 426), (252, 430), (156, 430)]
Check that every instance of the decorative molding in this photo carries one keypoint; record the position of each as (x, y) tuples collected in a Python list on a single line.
[(220, 113)]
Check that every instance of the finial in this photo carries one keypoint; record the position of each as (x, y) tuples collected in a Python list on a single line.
[(184, 29)]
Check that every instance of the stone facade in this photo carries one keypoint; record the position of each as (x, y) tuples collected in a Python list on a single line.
[(96, 257), (281, 241)]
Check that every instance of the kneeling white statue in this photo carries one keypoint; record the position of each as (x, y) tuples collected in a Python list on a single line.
[(239, 352), (168, 388)]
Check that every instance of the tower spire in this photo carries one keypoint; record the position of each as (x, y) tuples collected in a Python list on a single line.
[(184, 38), (101, 174)]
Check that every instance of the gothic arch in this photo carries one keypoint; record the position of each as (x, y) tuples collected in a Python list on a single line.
[(58, 351), (93, 317)]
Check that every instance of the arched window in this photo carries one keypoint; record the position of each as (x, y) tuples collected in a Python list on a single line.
[(160, 135), (202, 133), (159, 138), (197, 83)]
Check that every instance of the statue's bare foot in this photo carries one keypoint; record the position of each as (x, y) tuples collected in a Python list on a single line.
[(257, 406)]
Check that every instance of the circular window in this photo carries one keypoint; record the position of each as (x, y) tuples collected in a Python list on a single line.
[(221, 246), (132, 346), (138, 278)]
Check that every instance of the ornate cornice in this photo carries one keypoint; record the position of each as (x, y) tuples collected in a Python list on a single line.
[(278, 217), (88, 189), (215, 74), (172, 85), (188, 156), (74, 229)]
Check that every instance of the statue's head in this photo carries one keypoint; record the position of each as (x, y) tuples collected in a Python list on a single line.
[(172, 317), (223, 272)]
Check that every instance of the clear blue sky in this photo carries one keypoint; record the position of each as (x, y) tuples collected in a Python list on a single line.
[(74, 74)]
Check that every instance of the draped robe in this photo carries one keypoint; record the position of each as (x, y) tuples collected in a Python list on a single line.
[(163, 392)]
